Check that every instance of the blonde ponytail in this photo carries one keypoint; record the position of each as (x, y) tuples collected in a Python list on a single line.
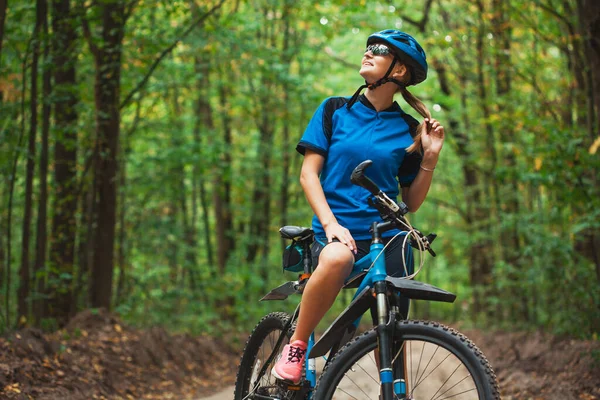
[(421, 109)]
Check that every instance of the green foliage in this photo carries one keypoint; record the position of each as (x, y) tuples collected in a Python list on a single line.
[(534, 201)]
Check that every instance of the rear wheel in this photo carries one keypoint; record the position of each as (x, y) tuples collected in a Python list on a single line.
[(260, 349), (439, 363)]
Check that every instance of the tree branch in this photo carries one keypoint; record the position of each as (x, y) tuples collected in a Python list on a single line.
[(339, 59), (423, 22), (522, 17), (129, 10), (86, 31), (450, 206), (552, 11), (542, 95), (144, 80)]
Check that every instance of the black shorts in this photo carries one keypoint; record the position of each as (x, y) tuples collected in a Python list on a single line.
[(393, 254)]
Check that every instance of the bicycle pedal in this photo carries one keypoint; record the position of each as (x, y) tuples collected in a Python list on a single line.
[(287, 382)]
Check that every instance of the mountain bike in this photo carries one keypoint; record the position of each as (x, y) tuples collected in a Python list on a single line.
[(398, 358)]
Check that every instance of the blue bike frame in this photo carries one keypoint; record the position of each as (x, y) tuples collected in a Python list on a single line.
[(377, 273)]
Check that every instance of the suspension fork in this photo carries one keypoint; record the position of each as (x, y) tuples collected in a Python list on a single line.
[(398, 351), (385, 326)]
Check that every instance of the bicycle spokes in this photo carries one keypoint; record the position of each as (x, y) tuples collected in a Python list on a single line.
[(431, 372)]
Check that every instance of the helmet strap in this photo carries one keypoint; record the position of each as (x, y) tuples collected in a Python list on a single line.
[(374, 85)]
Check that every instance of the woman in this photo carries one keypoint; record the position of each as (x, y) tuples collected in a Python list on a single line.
[(342, 133)]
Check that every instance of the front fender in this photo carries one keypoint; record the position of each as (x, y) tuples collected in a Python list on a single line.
[(342, 327), (420, 290)]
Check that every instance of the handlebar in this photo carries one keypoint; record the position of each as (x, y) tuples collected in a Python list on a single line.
[(359, 178), (388, 208)]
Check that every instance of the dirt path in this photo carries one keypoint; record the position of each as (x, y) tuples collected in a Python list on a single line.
[(532, 365), (362, 381), (97, 355), (225, 394)]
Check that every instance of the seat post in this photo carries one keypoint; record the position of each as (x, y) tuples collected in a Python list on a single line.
[(307, 257)]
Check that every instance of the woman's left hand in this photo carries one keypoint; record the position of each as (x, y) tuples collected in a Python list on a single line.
[(433, 138)]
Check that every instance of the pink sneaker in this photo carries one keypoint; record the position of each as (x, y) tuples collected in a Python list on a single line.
[(289, 366)]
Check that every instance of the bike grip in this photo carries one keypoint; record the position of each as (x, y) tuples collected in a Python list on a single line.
[(359, 178), (402, 208)]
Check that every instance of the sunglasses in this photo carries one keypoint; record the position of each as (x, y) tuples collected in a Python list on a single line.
[(378, 49)]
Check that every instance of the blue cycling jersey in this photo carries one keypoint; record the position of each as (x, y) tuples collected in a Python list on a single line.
[(346, 137)]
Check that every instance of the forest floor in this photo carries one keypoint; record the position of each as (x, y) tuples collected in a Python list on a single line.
[(98, 357)]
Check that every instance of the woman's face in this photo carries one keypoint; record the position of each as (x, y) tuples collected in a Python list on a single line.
[(375, 62)]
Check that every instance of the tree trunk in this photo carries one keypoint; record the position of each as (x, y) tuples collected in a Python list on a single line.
[(188, 224), (481, 252), (509, 237), (62, 242), (121, 259), (2, 259), (589, 26), (286, 150), (85, 250), (261, 197), (172, 248), (11, 194), (25, 271), (222, 186), (123, 248), (41, 231), (204, 117), (3, 7), (107, 94), (476, 214)]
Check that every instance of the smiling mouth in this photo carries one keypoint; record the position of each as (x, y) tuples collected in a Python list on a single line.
[(367, 63)]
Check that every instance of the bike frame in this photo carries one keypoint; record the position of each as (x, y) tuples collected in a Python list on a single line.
[(375, 281), (375, 277)]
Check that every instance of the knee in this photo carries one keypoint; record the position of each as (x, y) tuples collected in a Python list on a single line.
[(336, 257)]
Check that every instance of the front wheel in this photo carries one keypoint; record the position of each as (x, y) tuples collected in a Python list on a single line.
[(262, 348), (439, 363)]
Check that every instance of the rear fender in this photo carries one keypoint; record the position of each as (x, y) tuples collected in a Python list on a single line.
[(282, 292)]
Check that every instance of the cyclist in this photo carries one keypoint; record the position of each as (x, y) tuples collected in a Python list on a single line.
[(342, 133)]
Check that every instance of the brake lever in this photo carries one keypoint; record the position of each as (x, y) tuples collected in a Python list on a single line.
[(389, 203), (430, 238), (427, 240), (384, 211)]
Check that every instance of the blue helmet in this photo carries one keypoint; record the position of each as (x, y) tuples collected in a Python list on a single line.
[(407, 50)]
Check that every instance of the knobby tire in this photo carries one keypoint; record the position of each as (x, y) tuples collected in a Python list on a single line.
[(272, 323), (346, 361)]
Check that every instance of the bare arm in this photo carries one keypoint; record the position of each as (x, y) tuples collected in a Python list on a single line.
[(432, 142), (311, 184)]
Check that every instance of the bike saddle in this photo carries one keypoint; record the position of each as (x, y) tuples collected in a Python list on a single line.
[(295, 232)]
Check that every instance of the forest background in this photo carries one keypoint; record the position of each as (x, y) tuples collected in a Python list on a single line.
[(147, 155)]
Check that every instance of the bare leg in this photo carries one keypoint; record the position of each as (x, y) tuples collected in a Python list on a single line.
[(335, 264)]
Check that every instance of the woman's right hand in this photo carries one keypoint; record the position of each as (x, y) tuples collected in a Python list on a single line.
[(335, 230)]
